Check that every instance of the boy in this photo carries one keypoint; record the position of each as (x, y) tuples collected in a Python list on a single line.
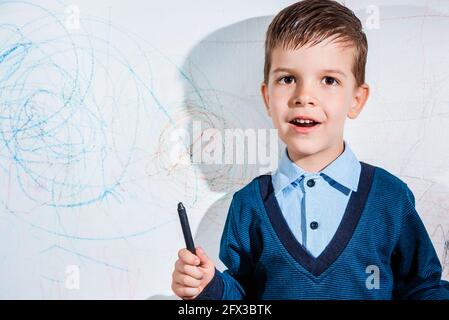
[(324, 225)]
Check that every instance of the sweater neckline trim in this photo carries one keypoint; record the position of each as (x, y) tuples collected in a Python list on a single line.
[(341, 238)]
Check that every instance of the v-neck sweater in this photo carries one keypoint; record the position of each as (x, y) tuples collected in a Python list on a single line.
[(381, 249)]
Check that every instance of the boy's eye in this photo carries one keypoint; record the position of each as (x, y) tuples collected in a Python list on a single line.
[(330, 81), (286, 80)]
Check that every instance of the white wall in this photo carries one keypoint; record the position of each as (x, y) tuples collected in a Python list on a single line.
[(88, 113)]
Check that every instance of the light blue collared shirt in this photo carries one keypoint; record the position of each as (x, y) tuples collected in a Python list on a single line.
[(314, 210)]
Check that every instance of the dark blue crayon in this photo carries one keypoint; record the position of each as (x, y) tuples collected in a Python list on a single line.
[(186, 228)]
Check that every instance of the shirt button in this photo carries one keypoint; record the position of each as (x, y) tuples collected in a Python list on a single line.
[(314, 225), (311, 183)]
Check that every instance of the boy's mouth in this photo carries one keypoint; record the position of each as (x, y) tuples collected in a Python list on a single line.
[(303, 122)]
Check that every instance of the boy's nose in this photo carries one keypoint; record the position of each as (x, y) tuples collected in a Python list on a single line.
[(304, 99), (303, 95)]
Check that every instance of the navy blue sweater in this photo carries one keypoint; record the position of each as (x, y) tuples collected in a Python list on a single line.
[(381, 249)]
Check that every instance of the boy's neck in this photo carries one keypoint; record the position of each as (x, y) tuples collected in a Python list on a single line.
[(316, 162)]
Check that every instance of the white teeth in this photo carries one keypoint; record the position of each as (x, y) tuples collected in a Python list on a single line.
[(303, 121)]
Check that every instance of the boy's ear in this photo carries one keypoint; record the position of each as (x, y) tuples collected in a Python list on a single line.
[(266, 98), (359, 100)]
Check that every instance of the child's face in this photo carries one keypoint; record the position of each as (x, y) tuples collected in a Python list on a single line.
[(317, 83)]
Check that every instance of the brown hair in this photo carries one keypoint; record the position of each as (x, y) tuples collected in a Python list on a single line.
[(312, 21)]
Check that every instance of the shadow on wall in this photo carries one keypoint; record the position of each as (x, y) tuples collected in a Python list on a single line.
[(227, 71), (222, 76)]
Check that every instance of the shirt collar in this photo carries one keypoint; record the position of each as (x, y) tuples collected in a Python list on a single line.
[(345, 170)]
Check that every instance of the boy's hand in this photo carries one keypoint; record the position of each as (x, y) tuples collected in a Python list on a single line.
[(192, 273)]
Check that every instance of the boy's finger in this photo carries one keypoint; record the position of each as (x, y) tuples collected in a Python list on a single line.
[(205, 260), (179, 266), (186, 292), (187, 281), (183, 268), (187, 257), (192, 271)]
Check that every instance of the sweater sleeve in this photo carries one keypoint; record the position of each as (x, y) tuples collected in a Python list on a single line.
[(233, 283), (415, 265)]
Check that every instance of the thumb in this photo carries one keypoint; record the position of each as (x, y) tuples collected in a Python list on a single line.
[(205, 261)]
